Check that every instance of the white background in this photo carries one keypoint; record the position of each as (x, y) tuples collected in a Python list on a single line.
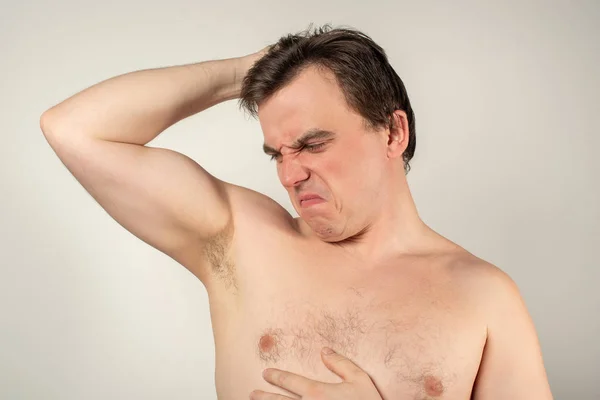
[(506, 102)]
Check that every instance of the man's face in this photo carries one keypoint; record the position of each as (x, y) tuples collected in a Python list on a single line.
[(344, 166)]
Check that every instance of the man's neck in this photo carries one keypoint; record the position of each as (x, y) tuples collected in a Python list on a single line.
[(393, 229)]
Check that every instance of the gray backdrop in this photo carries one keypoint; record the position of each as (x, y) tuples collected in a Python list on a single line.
[(506, 101)]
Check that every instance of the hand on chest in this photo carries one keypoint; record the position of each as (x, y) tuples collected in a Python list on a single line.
[(398, 343)]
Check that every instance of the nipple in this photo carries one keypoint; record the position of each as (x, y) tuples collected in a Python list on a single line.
[(266, 343), (433, 386), (269, 345)]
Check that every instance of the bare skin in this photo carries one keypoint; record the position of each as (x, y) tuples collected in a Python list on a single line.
[(359, 272), (356, 384)]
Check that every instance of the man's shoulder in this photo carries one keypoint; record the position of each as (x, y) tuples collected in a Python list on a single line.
[(258, 220), (256, 209), (484, 282)]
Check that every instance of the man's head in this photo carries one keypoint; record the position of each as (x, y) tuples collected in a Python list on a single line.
[(338, 122)]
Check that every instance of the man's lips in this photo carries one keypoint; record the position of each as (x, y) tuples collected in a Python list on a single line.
[(309, 196), (310, 199)]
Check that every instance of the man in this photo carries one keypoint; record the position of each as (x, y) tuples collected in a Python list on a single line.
[(409, 314)]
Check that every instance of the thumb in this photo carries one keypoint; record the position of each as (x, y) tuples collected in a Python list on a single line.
[(340, 365)]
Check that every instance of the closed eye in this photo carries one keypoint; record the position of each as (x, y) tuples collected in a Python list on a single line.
[(310, 147)]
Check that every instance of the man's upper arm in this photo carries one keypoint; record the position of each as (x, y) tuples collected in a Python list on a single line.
[(161, 196), (512, 365)]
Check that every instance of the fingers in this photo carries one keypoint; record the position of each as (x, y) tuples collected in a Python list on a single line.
[(289, 381), (260, 395), (341, 366)]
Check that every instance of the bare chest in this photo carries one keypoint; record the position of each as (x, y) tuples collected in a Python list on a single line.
[(412, 337)]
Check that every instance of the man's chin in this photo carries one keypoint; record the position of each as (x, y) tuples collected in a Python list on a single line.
[(324, 230)]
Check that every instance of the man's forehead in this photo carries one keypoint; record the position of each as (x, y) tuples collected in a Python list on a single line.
[(300, 109), (311, 134)]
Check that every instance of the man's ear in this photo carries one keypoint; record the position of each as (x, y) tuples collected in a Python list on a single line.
[(397, 134)]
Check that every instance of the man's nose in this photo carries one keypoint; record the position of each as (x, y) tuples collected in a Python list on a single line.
[(291, 170)]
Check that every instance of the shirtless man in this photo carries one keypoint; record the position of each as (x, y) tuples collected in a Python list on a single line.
[(357, 271)]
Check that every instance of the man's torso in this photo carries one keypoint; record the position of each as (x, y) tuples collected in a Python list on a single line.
[(278, 298)]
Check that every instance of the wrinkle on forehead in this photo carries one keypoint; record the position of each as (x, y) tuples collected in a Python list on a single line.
[(311, 100)]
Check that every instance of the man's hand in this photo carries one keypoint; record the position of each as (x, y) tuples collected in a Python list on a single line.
[(246, 62), (356, 385)]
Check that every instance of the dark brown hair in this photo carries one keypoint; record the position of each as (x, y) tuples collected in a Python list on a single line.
[(370, 85)]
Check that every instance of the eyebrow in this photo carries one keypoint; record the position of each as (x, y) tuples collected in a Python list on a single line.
[(311, 134)]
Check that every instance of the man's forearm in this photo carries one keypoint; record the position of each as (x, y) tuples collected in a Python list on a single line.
[(137, 106)]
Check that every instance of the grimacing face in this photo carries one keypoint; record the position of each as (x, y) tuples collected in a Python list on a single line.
[(345, 165)]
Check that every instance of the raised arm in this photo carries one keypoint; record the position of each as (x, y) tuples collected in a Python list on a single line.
[(161, 196)]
